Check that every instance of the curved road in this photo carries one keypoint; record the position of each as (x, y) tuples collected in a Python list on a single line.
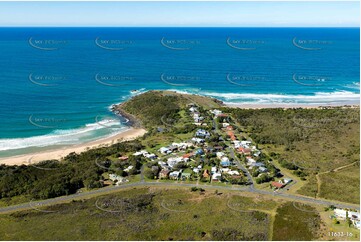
[(102, 191)]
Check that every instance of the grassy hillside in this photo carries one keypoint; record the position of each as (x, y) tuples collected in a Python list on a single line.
[(162, 107), (143, 214)]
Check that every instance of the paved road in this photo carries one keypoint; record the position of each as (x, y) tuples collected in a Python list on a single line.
[(86, 195)]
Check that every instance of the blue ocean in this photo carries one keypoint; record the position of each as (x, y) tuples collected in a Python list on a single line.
[(58, 84)]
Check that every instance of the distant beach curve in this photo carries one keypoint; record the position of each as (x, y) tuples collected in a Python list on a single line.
[(28, 159)]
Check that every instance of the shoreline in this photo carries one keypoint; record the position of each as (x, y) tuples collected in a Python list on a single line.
[(28, 159), (290, 106)]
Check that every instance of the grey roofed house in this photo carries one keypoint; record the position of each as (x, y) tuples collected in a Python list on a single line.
[(262, 169)]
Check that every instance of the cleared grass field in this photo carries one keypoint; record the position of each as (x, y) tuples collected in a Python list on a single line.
[(342, 185), (144, 214), (296, 221)]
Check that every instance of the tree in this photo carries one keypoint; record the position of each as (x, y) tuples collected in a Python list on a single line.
[(348, 220)]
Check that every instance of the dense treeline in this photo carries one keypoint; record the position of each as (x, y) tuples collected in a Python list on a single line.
[(53, 178)]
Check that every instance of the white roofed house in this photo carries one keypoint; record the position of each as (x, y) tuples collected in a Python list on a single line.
[(225, 125), (193, 109), (202, 133), (216, 176), (342, 213), (216, 112), (165, 150), (220, 154), (174, 175), (142, 152), (198, 140), (150, 156)]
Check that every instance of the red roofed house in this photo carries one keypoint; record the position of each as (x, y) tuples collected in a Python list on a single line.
[(189, 155), (123, 158), (222, 115), (277, 185), (229, 127), (231, 135), (244, 150)]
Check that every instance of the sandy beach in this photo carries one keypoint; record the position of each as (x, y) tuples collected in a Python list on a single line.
[(28, 159)]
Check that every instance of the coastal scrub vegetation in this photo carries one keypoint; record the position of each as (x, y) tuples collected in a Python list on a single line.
[(308, 142)]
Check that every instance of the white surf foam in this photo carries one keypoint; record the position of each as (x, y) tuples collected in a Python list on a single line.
[(64, 137)]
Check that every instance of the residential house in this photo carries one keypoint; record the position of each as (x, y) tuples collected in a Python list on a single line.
[(245, 151), (262, 169), (225, 161), (202, 133), (164, 174), (229, 128), (174, 175), (185, 175), (123, 158), (206, 173), (128, 168), (231, 135), (198, 140), (216, 112), (225, 125), (165, 150), (277, 185), (216, 177)]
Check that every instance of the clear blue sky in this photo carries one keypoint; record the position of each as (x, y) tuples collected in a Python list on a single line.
[(217, 14)]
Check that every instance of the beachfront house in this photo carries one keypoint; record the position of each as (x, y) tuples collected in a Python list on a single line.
[(216, 112)]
